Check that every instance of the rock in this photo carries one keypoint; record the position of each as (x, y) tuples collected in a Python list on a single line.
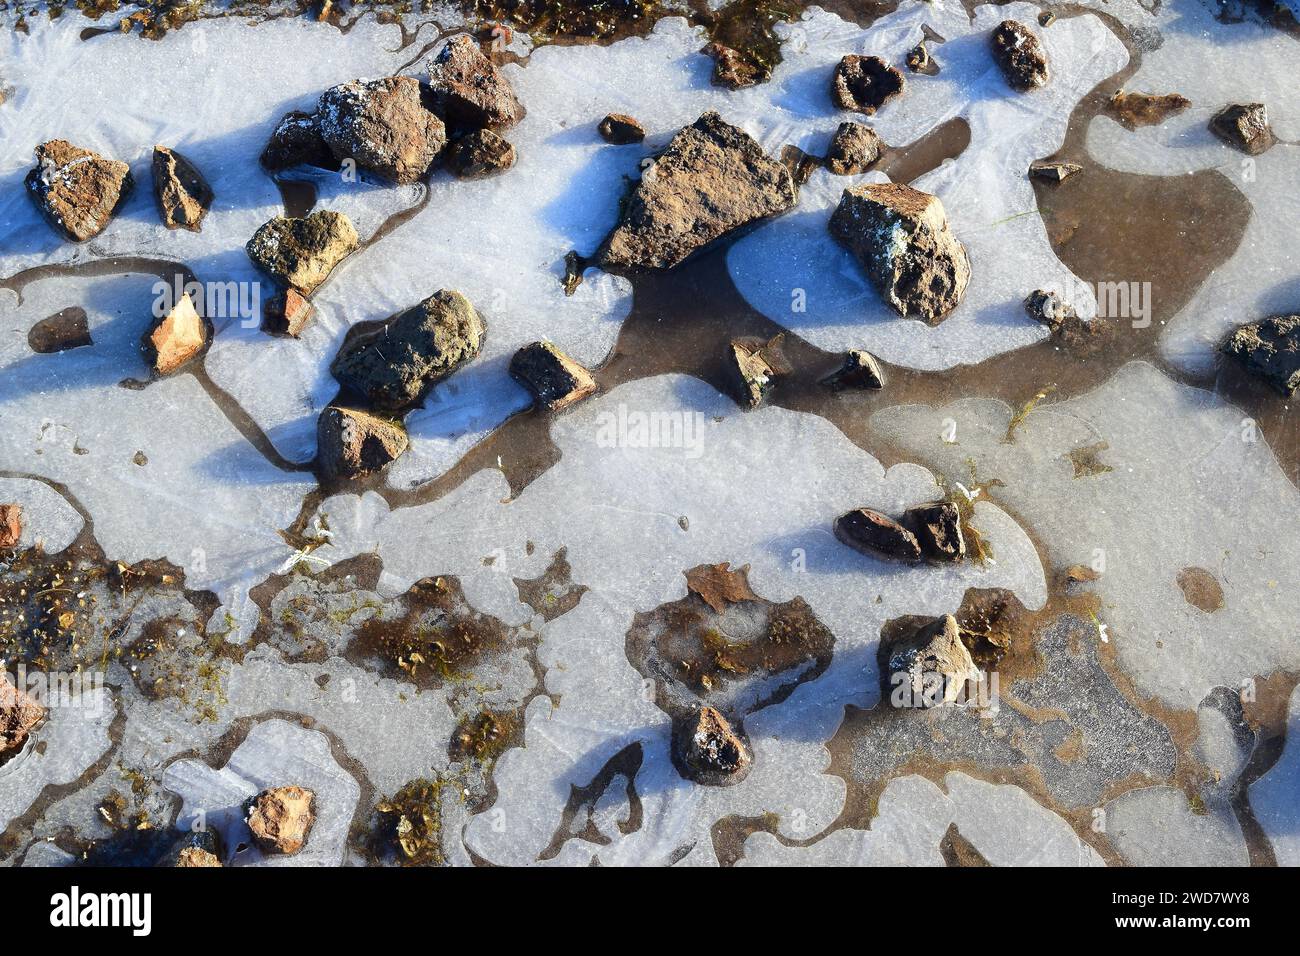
[(1135, 110), (1244, 126), (750, 372), (1048, 308), (555, 380), (394, 365), (66, 329), (11, 525), (937, 528), (195, 849), (1053, 172), (712, 179), (865, 83), (281, 818), (193, 856), (77, 191), (1020, 56), (19, 713), (708, 751), (901, 237), (184, 196), (301, 253), (860, 370), (177, 338), (478, 154), (383, 126), (930, 666), (351, 443), (468, 90), (918, 59), (621, 129), (877, 534), (296, 141), (853, 149), (731, 68), (287, 313), (1271, 350)]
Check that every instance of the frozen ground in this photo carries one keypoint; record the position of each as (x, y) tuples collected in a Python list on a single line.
[(254, 630)]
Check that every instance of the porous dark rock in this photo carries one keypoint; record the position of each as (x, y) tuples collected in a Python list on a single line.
[(11, 525), (351, 443), (19, 713), (480, 153), (712, 179), (301, 253), (621, 129), (937, 528), (750, 371), (76, 190), (467, 89), (1048, 308), (707, 750), (280, 819), (383, 126), (1053, 172), (288, 312), (854, 148), (177, 338), (902, 240), (732, 70), (1244, 126), (877, 534), (184, 196), (296, 141), (1270, 349), (555, 380), (930, 666), (865, 83), (395, 364), (1020, 56), (860, 370)]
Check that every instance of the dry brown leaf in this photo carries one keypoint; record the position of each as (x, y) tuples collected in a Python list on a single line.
[(719, 586)]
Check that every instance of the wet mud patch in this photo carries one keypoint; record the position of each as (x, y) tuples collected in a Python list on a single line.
[(553, 593), (613, 784), (310, 614), (1201, 589)]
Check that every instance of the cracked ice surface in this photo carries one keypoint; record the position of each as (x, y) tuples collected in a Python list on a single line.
[(616, 507), (986, 190)]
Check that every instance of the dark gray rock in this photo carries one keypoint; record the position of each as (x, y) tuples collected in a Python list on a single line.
[(1270, 349), (860, 370), (555, 380), (937, 528), (296, 141), (478, 154), (707, 750), (877, 534)]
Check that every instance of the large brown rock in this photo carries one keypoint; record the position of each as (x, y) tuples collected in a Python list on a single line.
[(11, 525), (901, 237), (184, 196), (1244, 126), (467, 89), (395, 364), (713, 178), (930, 666), (877, 535), (177, 338), (351, 443), (555, 380), (1019, 55), (281, 818), (76, 190), (296, 141), (382, 125), (708, 751), (865, 83), (19, 713), (302, 252), (1271, 350)]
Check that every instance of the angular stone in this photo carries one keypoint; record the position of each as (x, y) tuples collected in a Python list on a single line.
[(301, 253), (383, 126), (280, 819), (877, 535), (66, 329), (708, 751), (555, 380), (621, 129), (732, 70), (1048, 308), (1053, 172), (394, 365), (177, 338), (1020, 56), (937, 528), (901, 238), (468, 90), (351, 443), (296, 141), (1270, 349), (480, 153), (853, 149), (184, 196), (711, 180), (11, 525), (287, 313), (1244, 126), (750, 373), (865, 83), (860, 370), (76, 190), (19, 713), (930, 666)]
